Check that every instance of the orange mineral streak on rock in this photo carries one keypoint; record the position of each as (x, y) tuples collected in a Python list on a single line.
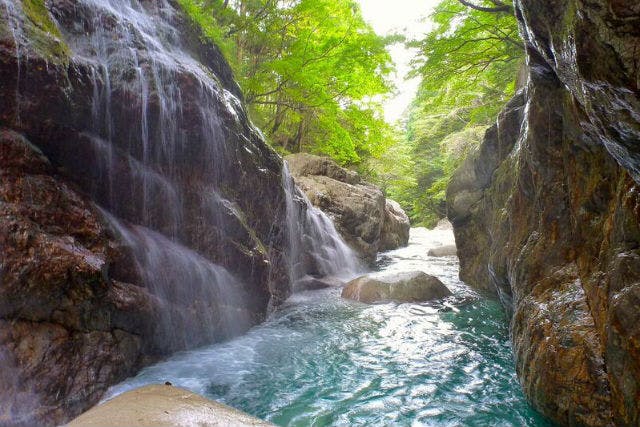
[(546, 212)]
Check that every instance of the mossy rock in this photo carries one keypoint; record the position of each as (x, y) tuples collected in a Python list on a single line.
[(43, 33)]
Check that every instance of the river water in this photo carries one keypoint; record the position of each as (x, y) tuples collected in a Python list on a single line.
[(324, 361)]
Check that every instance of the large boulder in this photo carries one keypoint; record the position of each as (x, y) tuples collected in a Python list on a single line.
[(415, 286), (367, 221), (395, 228), (546, 213)]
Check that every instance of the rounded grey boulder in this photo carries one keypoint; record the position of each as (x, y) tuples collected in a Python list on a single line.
[(415, 286), (446, 250)]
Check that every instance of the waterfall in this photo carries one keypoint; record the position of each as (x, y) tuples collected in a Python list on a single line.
[(155, 142), (157, 136), (156, 158), (11, 8), (314, 244), (203, 302)]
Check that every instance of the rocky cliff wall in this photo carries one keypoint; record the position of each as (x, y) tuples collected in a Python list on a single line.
[(547, 212), (140, 211)]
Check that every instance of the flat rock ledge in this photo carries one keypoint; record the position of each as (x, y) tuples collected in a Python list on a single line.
[(415, 286), (164, 405)]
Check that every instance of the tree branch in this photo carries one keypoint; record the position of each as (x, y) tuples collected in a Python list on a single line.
[(499, 7)]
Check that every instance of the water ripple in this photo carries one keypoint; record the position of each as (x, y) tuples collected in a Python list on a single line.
[(323, 361)]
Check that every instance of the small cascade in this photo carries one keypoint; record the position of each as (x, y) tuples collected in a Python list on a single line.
[(202, 301), (315, 245)]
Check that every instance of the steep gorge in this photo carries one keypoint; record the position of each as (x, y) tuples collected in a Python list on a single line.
[(129, 168), (546, 213)]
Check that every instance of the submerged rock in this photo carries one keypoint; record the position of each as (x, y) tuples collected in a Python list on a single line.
[(546, 212), (414, 286), (164, 406), (367, 221)]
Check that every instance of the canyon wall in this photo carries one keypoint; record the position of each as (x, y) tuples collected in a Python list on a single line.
[(547, 212)]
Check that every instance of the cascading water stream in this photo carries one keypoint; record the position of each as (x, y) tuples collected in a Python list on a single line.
[(158, 162), (322, 360), (10, 7), (199, 297), (312, 234), (155, 69)]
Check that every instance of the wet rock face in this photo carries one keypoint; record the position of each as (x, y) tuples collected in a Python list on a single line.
[(592, 47), (367, 221), (127, 172), (546, 213), (66, 329)]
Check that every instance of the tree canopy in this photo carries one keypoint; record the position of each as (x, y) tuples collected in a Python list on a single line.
[(469, 59), (468, 65), (312, 71)]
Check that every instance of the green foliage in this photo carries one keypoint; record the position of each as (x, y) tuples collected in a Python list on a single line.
[(394, 171), (37, 12), (314, 73), (203, 14), (310, 71), (469, 59), (468, 64)]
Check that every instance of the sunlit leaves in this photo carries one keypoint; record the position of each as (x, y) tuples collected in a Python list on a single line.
[(309, 70), (467, 64), (469, 59)]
